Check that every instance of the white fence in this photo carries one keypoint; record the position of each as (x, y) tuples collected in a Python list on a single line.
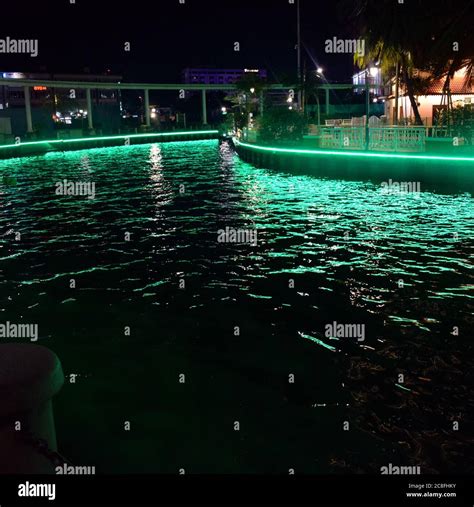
[(408, 139), (397, 139), (350, 138)]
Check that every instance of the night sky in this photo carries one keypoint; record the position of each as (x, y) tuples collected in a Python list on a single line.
[(167, 36)]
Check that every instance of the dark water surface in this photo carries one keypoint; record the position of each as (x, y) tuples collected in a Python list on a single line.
[(346, 245)]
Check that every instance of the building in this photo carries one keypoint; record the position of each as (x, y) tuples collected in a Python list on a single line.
[(219, 76), (432, 101), (374, 75)]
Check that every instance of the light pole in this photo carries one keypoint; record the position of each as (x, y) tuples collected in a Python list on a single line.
[(397, 81), (367, 108), (319, 108), (298, 31), (250, 113), (319, 73)]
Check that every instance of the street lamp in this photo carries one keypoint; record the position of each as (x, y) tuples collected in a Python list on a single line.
[(319, 73), (367, 107), (298, 35)]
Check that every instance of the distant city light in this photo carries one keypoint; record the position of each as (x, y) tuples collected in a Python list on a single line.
[(319, 70), (14, 75)]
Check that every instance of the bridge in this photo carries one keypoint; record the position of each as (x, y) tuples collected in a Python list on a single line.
[(145, 87)]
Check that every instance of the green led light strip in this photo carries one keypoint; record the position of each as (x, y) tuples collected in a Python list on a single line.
[(106, 138), (354, 153)]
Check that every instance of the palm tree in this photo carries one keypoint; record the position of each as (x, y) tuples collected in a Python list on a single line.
[(418, 35), (249, 93), (394, 35), (453, 49)]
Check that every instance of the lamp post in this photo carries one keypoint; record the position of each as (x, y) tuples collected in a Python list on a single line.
[(397, 81), (367, 108), (298, 32), (319, 73), (319, 109)]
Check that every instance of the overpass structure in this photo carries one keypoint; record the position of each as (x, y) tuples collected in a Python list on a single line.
[(145, 87)]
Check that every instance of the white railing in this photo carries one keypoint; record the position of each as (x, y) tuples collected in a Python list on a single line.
[(380, 138), (351, 138), (397, 138)]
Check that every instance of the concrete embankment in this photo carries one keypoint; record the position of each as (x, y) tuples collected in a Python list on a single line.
[(30, 148), (437, 172)]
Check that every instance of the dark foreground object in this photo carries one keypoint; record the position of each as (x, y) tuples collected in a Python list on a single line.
[(30, 375)]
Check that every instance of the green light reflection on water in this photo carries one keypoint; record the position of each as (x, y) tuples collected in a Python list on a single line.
[(388, 156)]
